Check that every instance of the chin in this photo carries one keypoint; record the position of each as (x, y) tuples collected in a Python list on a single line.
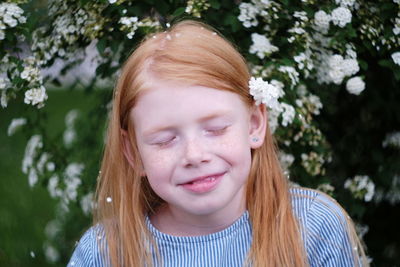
[(204, 210)]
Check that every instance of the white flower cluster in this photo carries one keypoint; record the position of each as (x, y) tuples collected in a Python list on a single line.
[(345, 3), (268, 94), (298, 30), (70, 134), (304, 62), (350, 52), (15, 125), (35, 164), (196, 7), (36, 95), (286, 160), (339, 68), (326, 188), (335, 68), (361, 186), (87, 203), (313, 163), (355, 85), (129, 24), (4, 84), (375, 31), (396, 58), (321, 21), (392, 140), (10, 16), (265, 93), (396, 28), (266, 9), (288, 114), (31, 152), (341, 16), (291, 73), (311, 102), (393, 195), (59, 38), (51, 253), (71, 180), (31, 72), (248, 14), (261, 46)]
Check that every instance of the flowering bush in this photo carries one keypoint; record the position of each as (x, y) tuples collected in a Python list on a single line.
[(323, 61)]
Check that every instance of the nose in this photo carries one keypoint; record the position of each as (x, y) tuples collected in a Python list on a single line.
[(195, 153)]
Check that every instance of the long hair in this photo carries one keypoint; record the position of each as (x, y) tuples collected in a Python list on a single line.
[(191, 53)]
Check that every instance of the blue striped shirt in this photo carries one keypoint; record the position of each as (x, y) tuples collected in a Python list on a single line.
[(323, 227)]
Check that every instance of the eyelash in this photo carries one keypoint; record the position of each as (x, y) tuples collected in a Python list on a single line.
[(218, 131), (165, 143)]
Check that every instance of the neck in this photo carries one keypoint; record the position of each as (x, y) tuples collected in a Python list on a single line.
[(175, 222)]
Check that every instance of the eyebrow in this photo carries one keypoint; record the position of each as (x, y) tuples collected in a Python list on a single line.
[(200, 120)]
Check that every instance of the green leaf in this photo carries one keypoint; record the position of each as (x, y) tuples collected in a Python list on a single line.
[(287, 62), (351, 32), (397, 75), (233, 22), (363, 64), (101, 46), (162, 7), (285, 2), (178, 12), (215, 4), (114, 47), (385, 63)]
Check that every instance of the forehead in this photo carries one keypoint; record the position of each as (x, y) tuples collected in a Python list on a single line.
[(168, 102)]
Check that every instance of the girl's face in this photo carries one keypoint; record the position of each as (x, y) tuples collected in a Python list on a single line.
[(195, 146)]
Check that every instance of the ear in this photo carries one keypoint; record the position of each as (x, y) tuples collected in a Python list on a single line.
[(128, 153), (258, 125)]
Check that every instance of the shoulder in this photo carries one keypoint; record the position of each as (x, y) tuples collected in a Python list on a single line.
[(87, 251), (326, 228), (309, 202)]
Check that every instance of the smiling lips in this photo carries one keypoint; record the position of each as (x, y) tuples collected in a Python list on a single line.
[(203, 184)]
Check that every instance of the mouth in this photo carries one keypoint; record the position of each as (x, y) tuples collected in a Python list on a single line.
[(203, 184)]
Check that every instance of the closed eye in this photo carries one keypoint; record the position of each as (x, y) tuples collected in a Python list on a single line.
[(165, 143), (217, 131)]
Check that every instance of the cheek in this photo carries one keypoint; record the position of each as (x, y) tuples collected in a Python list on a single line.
[(235, 142), (156, 164), (236, 149)]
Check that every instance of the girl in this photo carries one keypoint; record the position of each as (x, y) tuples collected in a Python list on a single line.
[(190, 175)]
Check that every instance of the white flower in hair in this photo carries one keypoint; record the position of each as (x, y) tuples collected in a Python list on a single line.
[(264, 92)]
